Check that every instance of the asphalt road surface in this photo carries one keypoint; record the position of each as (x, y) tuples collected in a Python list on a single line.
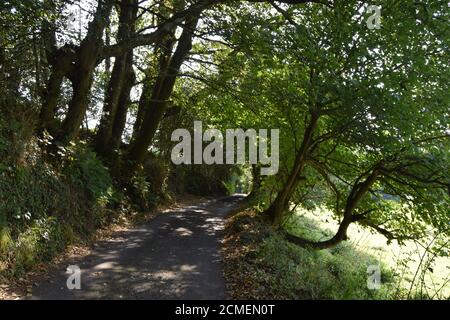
[(173, 256)]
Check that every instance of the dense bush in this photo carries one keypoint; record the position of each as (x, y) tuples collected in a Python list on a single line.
[(44, 207)]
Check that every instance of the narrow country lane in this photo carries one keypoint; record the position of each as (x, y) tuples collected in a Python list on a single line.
[(173, 256)]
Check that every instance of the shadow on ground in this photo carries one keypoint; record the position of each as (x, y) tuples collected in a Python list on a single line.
[(173, 256)]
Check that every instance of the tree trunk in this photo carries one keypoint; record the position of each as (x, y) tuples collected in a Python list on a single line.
[(359, 189), (104, 134), (60, 61), (164, 52), (144, 102), (124, 103), (51, 97), (86, 61), (161, 92), (121, 70), (81, 84), (256, 183), (280, 204)]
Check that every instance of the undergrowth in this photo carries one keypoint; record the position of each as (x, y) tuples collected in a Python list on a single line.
[(44, 208), (277, 269)]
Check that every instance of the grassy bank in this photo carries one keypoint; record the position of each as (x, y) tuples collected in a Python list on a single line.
[(276, 269), (44, 208)]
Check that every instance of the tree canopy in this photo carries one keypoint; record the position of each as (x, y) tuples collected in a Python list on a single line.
[(363, 112)]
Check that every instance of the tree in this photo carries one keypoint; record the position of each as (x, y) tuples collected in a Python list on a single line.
[(161, 92), (358, 97), (119, 86)]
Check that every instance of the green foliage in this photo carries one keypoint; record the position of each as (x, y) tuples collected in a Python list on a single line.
[(381, 97), (300, 273), (84, 169), (230, 186), (204, 180), (40, 242), (238, 181), (157, 170), (141, 190), (196, 179), (149, 186), (27, 194), (44, 208), (279, 269)]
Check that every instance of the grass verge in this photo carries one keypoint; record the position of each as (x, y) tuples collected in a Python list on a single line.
[(260, 264)]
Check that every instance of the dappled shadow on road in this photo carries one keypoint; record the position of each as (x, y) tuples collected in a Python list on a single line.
[(173, 256)]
